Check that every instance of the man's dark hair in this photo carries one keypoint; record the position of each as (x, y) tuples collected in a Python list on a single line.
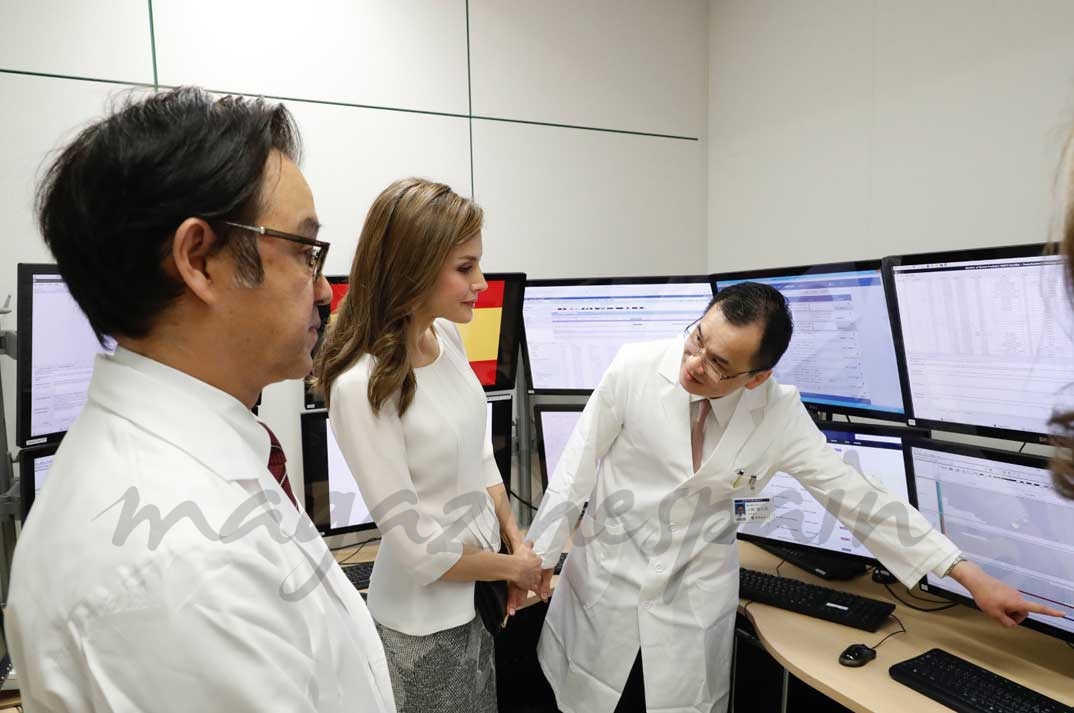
[(752, 303), (109, 205)]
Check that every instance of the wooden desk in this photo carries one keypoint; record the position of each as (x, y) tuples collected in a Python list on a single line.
[(809, 648)]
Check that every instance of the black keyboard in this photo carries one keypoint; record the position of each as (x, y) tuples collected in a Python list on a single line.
[(359, 574), (811, 600), (968, 688), (559, 565)]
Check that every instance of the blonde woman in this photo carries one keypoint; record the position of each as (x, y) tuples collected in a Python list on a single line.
[(410, 418)]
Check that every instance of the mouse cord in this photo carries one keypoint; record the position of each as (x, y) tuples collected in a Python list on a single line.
[(902, 630)]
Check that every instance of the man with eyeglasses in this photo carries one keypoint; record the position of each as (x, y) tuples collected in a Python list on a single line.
[(185, 230), (686, 433)]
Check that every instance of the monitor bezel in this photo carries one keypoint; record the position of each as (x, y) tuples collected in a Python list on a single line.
[(984, 453), (822, 268), (24, 355), (889, 264), (314, 425), (587, 281), (26, 458), (538, 426), (514, 290), (907, 434), (503, 413)]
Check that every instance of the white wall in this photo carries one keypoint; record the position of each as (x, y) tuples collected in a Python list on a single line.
[(589, 156), (842, 129)]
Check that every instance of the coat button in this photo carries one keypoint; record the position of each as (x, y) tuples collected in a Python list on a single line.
[(659, 568), (647, 605), (674, 527)]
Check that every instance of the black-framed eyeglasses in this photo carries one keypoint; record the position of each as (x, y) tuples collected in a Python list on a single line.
[(694, 347), (315, 257)]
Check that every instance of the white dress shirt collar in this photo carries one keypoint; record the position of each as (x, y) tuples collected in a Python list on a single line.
[(199, 418)]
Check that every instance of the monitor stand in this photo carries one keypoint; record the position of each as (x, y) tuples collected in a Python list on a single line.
[(827, 565)]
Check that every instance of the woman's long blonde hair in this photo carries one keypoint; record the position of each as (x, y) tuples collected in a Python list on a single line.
[(408, 236)]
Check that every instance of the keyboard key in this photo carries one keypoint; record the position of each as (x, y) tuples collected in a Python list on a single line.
[(359, 574)]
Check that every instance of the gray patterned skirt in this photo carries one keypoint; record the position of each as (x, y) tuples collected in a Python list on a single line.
[(447, 672)]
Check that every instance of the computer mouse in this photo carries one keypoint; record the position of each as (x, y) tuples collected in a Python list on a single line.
[(857, 655)]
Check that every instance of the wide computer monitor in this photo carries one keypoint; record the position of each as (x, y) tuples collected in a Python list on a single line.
[(333, 501), (1002, 511), (491, 339), (56, 351), (34, 463), (842, 355), (877, 452), (555, 423), (985, 339), (574, 328)]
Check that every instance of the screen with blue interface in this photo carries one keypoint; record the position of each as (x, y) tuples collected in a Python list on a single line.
[(842, 354), (797, 516), (574, 328), (1004, 514)]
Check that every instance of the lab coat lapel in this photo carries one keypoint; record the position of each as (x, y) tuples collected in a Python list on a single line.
[(674, 418), (747, 416)]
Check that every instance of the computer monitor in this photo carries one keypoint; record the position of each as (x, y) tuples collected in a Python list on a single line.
[(877, 452), (984, 339), (574, 328), (555, 423), (491, 339), (333, 501), (500, 418), (1002, 511), (56, 352), (34, 463), (842, 355)]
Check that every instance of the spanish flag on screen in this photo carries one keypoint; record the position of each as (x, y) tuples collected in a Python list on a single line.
[(339, 291), (481, 337)]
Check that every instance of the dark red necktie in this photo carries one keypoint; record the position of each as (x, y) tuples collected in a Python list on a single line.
[(277, 465)]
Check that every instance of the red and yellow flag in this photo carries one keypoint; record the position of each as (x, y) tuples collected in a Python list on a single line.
[(481, 337)]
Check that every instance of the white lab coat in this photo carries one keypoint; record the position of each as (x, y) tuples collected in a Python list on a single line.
[(671, 589), (97, 622)]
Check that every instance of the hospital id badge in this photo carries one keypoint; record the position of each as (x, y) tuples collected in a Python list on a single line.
[(753, 510)]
